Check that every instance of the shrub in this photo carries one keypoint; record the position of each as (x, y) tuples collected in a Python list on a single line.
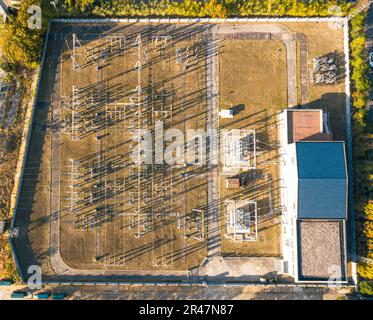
[(366, 288), (368, 210), (20, 44), (10, 269), (365, 270)]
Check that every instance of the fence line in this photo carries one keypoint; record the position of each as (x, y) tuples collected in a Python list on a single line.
[(349, 155), (199, 284), (201, 20)]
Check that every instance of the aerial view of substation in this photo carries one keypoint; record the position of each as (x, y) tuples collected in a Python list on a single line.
[(99, 201)]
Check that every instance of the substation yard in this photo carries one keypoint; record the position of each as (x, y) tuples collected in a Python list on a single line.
[(140, 217), (86, 207)]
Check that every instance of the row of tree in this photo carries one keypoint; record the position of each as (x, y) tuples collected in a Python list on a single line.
[(211, 8), (363, 164)]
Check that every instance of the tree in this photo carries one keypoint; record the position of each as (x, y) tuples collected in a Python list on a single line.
[(78, 5), (366, 288), (215, 9), (20, 44), (366, 270), (368, 210)]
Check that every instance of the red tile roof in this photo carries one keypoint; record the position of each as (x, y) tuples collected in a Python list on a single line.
[(306, 125)]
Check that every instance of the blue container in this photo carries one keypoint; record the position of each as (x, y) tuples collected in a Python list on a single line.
[(43, 295), (18, 295), (6, 282), (58, 296)]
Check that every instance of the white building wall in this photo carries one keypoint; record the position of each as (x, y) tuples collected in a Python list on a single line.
[(289, 191)]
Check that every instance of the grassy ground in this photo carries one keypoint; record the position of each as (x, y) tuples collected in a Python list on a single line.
[(324, 39), (11, 132), (253, 75)]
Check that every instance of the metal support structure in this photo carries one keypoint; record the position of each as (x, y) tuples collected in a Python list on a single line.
[(199, 217), (241, 220), (76, 45), (239, 149)]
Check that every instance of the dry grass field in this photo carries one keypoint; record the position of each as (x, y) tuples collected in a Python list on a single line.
[(259, 87), (140, 217), (326, 39)]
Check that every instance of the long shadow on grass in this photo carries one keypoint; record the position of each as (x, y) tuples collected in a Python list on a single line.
[(32, 172)]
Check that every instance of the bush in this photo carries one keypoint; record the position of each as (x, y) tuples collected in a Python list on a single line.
[(215, 9), (78, 6), (10, 269), (9, 67), (368, 210), (366, 288), (365, 270), (20, 44)]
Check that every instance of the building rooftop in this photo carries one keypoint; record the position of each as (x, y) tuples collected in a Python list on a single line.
[(321, 254), (322, 180), (306, 125)]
